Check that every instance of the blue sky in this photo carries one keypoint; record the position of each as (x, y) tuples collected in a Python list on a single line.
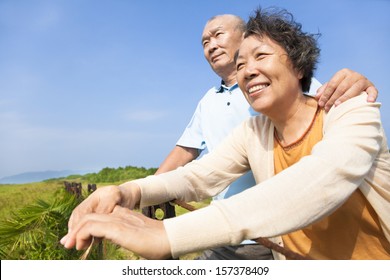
[(86, 84)]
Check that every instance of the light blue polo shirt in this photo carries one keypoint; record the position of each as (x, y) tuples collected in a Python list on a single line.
[(218, 112)]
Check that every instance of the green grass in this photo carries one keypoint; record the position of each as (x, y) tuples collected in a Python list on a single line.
[(14, 197)]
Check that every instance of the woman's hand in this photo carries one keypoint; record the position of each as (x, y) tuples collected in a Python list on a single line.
[(131, 230), (103, 201)]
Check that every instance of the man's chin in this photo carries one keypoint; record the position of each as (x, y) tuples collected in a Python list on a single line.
[(218, 65)]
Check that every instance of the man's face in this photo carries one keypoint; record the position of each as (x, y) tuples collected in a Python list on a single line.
[(220, 40)]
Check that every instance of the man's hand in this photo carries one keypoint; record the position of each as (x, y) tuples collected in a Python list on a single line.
[(344, 85), (124, 227)]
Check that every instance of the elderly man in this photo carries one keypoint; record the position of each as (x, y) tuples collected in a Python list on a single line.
[(224, 107)]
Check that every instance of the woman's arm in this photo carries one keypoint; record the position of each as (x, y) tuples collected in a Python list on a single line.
[(300, 195), (201, 178)]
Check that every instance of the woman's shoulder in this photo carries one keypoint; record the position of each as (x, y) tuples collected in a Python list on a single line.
[(259, 125), (259, 122), (354, 102), (356, 111)]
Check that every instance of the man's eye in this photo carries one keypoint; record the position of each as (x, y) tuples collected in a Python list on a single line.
[(205, 43), (240, 66)]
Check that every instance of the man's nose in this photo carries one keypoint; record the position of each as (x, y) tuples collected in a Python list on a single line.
[(213, 45)]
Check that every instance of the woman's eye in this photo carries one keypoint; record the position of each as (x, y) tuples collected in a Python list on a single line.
[(260, 55)]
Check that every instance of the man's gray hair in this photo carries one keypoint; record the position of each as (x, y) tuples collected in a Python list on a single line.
[(240, 22)]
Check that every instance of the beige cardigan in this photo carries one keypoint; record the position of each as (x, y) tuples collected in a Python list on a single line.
[(353, 154)]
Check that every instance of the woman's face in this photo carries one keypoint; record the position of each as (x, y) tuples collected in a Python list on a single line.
[(266, 75)]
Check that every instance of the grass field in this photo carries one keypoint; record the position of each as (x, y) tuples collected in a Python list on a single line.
[(16, 197), (13, 197)]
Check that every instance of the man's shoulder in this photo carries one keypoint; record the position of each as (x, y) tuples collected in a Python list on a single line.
[(211, 93)]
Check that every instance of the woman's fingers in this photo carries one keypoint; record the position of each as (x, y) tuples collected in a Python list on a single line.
[(126, 228)]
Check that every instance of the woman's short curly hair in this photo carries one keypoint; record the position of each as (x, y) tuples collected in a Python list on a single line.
[(280, 26)]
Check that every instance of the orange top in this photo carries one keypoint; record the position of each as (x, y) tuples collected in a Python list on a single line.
[(351, 232)]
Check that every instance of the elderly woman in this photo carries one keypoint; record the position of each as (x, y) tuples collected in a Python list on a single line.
[(323, 179)]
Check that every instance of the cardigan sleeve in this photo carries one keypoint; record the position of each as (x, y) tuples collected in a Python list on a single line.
[(201, 178), (300, 195)]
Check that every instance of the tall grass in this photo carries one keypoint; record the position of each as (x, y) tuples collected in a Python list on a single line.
[(13, 197), (33, 232), (33, 218)]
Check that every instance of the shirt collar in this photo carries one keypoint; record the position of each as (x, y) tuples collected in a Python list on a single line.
[(223, 87)]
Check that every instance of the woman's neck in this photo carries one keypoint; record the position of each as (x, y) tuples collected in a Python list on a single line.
[(301, 115)]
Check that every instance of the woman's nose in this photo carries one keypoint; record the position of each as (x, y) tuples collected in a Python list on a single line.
[(251, 70)]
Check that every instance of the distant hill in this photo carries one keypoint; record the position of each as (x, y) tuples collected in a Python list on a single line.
[(32, 177)]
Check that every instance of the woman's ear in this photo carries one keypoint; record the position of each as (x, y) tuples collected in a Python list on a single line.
[(300, 75)]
